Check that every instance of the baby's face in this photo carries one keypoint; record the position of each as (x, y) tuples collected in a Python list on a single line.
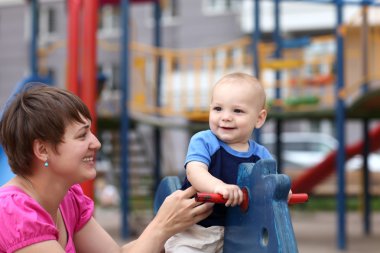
[(234, 112)]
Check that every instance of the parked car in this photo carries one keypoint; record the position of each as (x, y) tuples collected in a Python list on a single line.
[(302, 150)]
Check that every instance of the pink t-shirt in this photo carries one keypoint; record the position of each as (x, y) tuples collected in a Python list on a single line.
[(24, 222)]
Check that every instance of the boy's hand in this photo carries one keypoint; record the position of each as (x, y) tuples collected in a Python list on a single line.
[(231, 192)]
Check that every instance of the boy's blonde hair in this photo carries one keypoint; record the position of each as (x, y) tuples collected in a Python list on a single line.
[(239, 77)]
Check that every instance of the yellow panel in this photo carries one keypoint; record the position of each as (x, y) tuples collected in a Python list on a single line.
[(279, 64), (139, 62)]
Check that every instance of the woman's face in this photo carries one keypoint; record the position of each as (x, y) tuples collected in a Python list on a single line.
[(75, 158)]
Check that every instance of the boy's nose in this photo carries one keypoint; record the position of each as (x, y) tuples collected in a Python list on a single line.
[(226, 116)]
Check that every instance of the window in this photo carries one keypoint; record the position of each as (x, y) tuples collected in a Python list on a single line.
[(47, 21), (221, 6), (51, 18), (109, 20), (170, 9), (169, 13), (47, 25), (115, 77)]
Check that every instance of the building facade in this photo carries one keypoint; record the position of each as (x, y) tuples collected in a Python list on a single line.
[(185, 24)]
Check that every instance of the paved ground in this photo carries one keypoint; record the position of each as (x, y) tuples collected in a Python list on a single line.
[(315, 231)]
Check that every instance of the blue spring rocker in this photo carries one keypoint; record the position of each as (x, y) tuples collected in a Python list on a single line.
[(266, 226)]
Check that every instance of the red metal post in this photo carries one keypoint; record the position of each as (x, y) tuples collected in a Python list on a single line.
[(89, 68), (74, 7)]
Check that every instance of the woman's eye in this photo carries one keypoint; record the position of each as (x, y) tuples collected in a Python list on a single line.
[(83, 135)]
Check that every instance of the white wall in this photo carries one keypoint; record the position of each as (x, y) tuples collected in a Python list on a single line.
[(295, 16)]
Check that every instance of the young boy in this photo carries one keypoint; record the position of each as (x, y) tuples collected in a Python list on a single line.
[(237, 108)]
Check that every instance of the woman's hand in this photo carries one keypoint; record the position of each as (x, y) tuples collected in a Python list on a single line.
[(179, 211)]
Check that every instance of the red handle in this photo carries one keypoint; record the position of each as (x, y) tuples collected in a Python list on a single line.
[(296, 198), (210, 197)]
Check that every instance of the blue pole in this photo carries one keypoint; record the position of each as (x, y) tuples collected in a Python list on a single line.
[(124, 83), (340, 129), (256, 61), (365, 181), (157, 43), (277, 55), (157, 131), (366, 194), (278, 41), (364, 42), (256, 38), (33, 38)]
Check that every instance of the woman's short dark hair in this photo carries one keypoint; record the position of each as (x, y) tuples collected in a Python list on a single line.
[(38, 112)]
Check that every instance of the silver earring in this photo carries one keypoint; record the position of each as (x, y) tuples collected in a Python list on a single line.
[(46, 164)]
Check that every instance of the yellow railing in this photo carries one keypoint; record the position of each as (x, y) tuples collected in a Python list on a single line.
[(189, 74), (362, 54)]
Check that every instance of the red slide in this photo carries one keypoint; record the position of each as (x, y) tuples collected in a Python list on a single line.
[(316, 174)]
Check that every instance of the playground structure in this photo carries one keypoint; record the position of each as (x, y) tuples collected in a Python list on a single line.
[(307, 82), (307, 73), (301, 82)]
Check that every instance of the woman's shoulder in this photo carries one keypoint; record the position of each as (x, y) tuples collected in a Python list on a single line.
[(77, 207), (76, 201), (15, 201), (11, 196), (22, 219), (75, 191)]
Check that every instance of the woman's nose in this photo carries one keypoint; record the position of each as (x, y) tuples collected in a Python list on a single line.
[(95, 143)]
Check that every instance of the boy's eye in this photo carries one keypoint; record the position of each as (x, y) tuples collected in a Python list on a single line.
[(238, 111), (217, 108)]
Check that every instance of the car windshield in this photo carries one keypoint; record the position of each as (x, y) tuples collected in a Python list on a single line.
[(307, 147), (312, 142), (302, 150)]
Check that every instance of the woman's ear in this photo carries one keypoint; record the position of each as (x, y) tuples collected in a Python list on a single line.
[(261, 118), (40, 150)]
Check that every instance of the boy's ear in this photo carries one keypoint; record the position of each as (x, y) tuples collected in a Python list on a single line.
[(261, 118), (40, 150)]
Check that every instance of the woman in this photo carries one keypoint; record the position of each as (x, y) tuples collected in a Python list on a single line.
[(46, 135)]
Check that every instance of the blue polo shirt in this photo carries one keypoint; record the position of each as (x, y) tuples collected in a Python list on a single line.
[(223, 163)]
